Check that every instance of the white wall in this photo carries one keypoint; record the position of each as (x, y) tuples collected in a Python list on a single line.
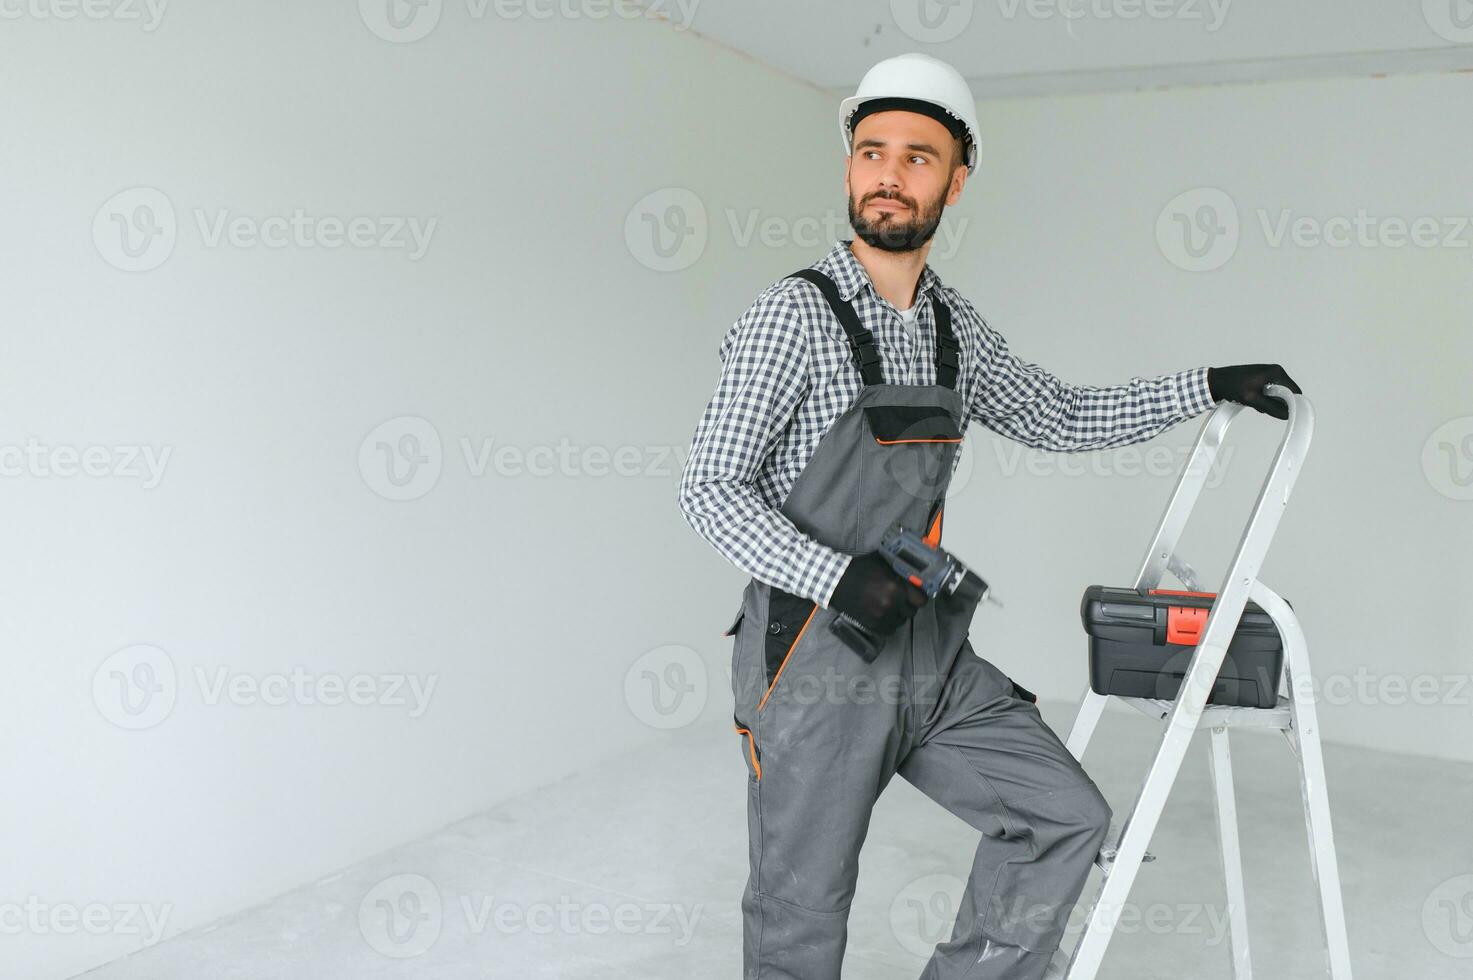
[(528, 321)]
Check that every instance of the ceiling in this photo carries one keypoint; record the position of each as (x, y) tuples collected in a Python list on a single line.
[(1041, 47)]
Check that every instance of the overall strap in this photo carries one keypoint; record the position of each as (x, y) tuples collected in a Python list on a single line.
[(861, 341), (947, 346)]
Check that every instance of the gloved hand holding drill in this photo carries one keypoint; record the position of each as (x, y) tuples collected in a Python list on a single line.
[(1244, 383), (873, 594), (881, 590)]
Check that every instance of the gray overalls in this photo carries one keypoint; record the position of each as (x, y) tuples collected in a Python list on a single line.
[(822, 731)]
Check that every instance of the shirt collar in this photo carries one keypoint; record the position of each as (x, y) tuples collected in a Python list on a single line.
[(849, 275)]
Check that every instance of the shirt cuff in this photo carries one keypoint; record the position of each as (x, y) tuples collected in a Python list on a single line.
[(1193, 392), (827, 579)]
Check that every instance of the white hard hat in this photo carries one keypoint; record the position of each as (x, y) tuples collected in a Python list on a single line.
[(916, 76)]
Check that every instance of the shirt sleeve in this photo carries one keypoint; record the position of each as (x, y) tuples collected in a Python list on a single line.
[(764, 376), (1024, 402)]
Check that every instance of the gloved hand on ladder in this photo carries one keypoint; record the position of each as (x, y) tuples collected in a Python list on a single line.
[(1245, 384)]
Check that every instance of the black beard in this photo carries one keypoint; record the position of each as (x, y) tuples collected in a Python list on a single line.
[(891, 233)]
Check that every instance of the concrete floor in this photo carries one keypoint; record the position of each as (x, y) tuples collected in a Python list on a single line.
[(634, 871)]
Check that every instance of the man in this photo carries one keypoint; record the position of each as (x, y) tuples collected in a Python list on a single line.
[(843, 397)]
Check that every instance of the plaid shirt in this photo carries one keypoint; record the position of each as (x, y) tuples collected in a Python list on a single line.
[(787, 375)]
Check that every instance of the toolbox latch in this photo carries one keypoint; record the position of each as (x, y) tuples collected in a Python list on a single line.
[(1184, 624)]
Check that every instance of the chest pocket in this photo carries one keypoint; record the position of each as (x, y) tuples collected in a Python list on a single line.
[(915, 446), (899, 425)]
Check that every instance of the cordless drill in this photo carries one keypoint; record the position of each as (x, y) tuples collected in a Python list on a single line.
[(932, 570)]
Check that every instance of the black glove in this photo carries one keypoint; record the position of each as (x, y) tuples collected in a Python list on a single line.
[(871, 592), (1244, 383)]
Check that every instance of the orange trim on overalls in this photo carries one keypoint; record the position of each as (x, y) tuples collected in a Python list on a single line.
[(933, 536), (787, 656), (752, 752), (896, 442)]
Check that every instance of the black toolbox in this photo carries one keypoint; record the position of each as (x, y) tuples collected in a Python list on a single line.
[(1141, 641)]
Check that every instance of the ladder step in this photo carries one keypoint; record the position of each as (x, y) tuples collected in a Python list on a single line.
[(1105, 859), (1220, 716)]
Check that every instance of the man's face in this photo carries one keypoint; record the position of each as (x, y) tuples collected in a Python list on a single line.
[(900, 177)]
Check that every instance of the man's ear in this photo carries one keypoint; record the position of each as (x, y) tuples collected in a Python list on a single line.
[(958, 181)]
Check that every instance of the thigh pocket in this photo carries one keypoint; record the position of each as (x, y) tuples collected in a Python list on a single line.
[(788, 619)]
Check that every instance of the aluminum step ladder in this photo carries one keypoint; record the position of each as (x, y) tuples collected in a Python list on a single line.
[(1294, 715)]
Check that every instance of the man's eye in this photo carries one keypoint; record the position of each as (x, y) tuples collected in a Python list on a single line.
[(920, 158)]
